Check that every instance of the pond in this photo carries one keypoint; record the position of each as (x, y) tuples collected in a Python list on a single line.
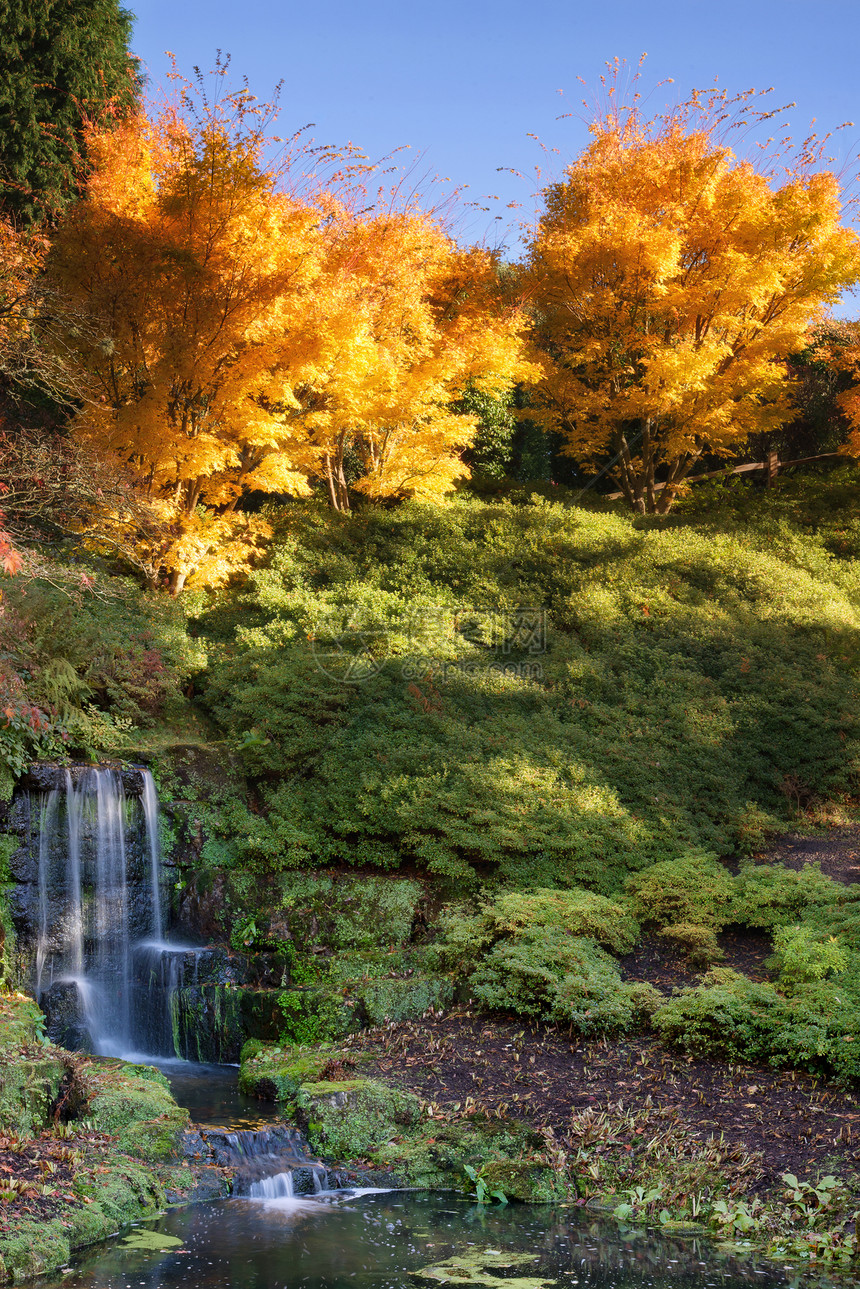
[(211, 1095), (393, 1239), (355, 1239)]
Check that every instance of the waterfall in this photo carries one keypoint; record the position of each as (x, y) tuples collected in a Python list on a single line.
[(278, 1187), (150, 814), (47, 823), (99, 903)]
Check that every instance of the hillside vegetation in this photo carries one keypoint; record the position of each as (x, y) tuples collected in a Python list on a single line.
[(540, 694)]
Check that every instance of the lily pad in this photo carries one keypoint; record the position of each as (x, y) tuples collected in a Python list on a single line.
[(476, 1268), (150, 1242)]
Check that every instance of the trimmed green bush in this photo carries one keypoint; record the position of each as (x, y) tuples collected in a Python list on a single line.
[(804, 958), (578, 911), (545, 973), (739, 1019), (767, 896), (695, 890)]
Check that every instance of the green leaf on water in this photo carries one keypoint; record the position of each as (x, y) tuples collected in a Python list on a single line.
[(476, 1268), (150, 1242)]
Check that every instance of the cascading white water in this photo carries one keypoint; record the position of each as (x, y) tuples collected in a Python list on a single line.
[(47, 823), (97, 902), (150, 815), (278, 1187)]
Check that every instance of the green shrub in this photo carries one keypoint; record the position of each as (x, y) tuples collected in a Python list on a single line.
[(467, 931), (727, 1015), (690, 684), (99, 659), (739, 1019), (546, 973), (578, 911), (804, 959), (344, 912), (312, 1016), (698, 942), (768, 896), (695, 890)]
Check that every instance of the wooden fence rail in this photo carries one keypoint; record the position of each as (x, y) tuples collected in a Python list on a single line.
[(773, 465)]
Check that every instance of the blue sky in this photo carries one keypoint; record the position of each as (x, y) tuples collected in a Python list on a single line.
[(464, 84)]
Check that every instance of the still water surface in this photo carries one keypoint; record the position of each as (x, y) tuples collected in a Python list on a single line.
[(389, 1239), (397, 1239)]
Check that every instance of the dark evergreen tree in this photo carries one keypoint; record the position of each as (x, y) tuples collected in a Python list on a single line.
[(59, 60)]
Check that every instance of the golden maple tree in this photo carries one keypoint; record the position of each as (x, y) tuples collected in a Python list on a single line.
[(193, 269), (255, 327), (409, 320), (668, 279)]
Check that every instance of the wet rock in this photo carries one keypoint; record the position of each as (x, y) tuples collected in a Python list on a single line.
[(64, 1016), (201, 907), (44, 777)]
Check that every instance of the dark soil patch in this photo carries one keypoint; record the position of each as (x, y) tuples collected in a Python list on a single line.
[(837, 851), (797, 1123), (658, 962), (541, 1075)]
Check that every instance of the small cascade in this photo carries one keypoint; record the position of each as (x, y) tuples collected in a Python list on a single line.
[(99, 899), (270, 1163), (278, 1187)]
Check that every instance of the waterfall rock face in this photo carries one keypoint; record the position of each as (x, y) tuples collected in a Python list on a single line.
[(90, 906), (87, 896)]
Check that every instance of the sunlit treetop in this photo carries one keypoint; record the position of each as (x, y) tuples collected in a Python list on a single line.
[(260, 316), (670, 278)]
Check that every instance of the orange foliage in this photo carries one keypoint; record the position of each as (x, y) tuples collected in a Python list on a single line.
[(407, 322), (251, 329), (669, 278)]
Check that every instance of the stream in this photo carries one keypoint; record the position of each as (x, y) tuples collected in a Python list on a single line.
[(393, 1239), (91, 903), (355, 1239)]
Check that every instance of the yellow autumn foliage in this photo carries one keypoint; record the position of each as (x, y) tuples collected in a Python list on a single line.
[(669, 279), (252, 333)]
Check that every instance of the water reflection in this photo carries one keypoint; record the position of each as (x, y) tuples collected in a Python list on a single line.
[(395, 1239), (211, 1094)]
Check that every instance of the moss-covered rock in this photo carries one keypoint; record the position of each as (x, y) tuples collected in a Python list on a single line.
[(435, 1154), (342, 911), (28, 1089), (275, 1073), (134, 1103), (21, 1021), (212, 1021), (339, 993), (531, 1183), (105, 1202), (33, 1248), (348, 1119)]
